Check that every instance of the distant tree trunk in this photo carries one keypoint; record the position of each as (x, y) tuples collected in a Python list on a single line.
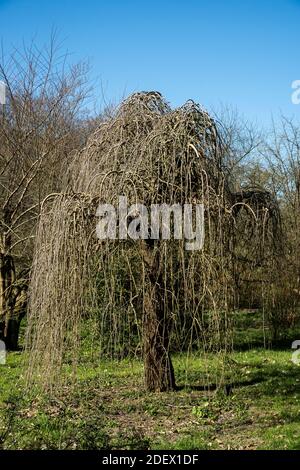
[(13, 302), (9, 318), (7, 277), (159, 372), (9, 333)]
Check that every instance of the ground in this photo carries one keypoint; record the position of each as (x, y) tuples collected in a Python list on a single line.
[(108, 408)]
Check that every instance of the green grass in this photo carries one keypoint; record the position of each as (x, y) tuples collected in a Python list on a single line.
[(108, 407)]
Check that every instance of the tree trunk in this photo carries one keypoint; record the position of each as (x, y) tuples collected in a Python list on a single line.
[(11, 338), (9, 323), (159, 372), (10, 319)]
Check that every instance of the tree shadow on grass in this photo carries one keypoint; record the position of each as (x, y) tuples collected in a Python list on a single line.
[(270, 379)]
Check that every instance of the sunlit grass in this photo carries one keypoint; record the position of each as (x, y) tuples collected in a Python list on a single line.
[(108, 407)]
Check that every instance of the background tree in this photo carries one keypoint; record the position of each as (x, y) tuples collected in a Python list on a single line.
[(281, 153), (43, 122)]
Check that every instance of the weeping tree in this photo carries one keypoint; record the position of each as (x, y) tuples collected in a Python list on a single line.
[(151, 155)]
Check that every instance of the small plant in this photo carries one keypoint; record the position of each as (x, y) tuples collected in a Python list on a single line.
[(206, 411)]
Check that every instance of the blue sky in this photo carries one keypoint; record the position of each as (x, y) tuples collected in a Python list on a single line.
[(240, 53)]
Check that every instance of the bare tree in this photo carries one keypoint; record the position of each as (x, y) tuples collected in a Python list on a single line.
[(42, 122), (282, 154), (241, 141), (152, 154)]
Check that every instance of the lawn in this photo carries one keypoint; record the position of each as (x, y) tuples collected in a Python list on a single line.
[(108, 408)]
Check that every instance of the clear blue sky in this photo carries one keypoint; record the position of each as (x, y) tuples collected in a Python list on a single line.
[(238, 52)]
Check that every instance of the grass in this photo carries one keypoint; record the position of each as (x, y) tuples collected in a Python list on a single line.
[(108, 407)]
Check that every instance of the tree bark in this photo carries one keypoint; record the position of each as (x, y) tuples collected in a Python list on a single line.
[(157, 324), (9, 322), (12, 299)]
